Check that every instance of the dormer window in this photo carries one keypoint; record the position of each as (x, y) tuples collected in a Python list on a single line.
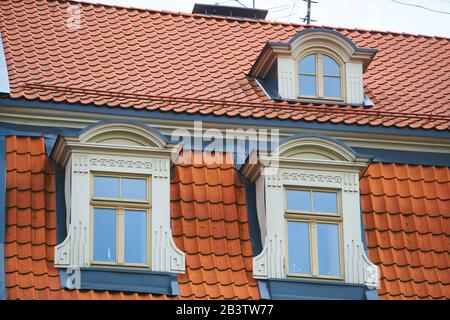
[(117, 200), (319, 76), (307, 192), (317, 65)]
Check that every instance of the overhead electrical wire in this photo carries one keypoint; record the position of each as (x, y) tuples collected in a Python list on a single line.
[(420, 6)]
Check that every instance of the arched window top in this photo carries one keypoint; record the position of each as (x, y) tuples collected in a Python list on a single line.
[(308, 65), (320, 76), (330, 66)]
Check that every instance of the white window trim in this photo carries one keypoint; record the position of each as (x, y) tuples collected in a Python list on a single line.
[(313, 218), (352, 64), (320, 84), (119, 205), (310, 162), (116, 148)]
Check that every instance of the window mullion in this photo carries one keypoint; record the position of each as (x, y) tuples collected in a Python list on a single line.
[(319, 76), (314, 249), (120, 235)]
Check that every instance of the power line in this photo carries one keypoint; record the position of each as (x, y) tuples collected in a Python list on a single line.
[(292, 9), (241, 3), (419, 6)]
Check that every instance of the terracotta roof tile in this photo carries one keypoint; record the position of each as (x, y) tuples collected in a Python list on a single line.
[(194, 56), (406, 212), (213, 232)]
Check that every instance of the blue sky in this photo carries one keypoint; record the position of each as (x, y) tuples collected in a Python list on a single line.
[(366, 14)]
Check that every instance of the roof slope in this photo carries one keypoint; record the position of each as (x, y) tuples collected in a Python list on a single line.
[(203, 61), (406, 212), (213, 231)]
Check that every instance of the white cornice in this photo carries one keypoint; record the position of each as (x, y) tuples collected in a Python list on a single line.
[(74, 119)]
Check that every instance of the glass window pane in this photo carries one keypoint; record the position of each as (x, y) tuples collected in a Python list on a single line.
[(325, 201), (135, 236), (104, 235), (298, 200), (307, 85), (106, 187), (308, 64), (330, 66), (134, 188), (298, 247), (328, 246), (332, 87)]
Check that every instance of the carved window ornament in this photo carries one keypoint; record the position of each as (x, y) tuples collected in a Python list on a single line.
[(317, 65), (312, 163), (124, 150)]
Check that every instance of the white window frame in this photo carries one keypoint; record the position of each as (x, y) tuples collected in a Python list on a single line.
[(320, 89), (313, 218), (111, 148), (120, 205)]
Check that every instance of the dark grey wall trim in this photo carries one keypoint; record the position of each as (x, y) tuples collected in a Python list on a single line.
[(264, 292), (292, 289), (125, 280), (2, 216), (314, 125), (61, 213), (252, 216), (406, 157), (49, 133)]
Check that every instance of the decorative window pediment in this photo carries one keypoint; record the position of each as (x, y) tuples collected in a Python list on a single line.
[(317, 65), (117, 192), (309, 212)]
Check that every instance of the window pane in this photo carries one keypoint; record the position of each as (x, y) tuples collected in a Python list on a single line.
[(330, 66), (106, 187), (135, 236), (308, 64), (298, 247), (332, 87), (298, 200), (307, 85), (328, 246), (104, 235), (134, 188), (325, 201)]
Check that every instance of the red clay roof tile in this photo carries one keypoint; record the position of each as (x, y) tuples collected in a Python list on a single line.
[(194, 56), (407, 231), (406, 211), (215, 236)]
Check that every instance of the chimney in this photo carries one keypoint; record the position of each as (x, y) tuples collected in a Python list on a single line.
[(227, 11)]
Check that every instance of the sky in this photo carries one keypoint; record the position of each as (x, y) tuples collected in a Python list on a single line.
[(383, 15)]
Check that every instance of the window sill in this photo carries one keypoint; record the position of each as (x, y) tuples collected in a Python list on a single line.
[(302, 289), (324, 102), (126, 280)]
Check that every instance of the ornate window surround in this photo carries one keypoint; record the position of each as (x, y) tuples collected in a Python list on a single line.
[(309, 161), (124, 148), (285, 55)]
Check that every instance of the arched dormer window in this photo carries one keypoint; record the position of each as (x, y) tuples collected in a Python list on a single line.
[(317, 65), (320, 76)]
